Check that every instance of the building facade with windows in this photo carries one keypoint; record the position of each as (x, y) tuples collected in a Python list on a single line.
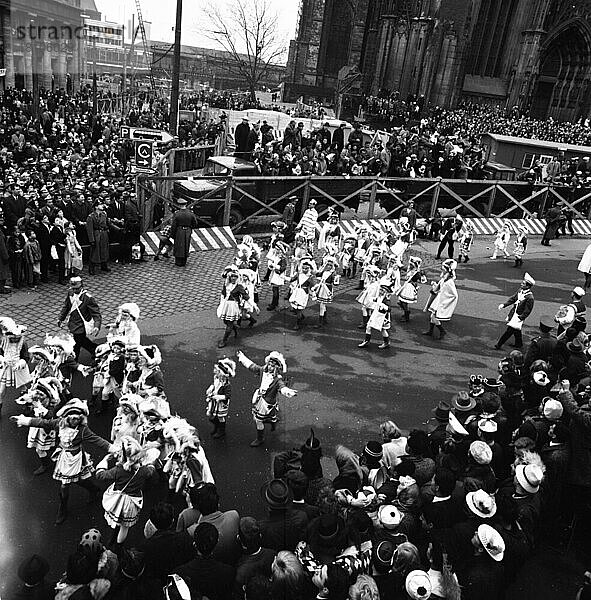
[(534, 54)]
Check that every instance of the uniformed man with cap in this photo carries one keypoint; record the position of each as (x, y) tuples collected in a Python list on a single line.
[(542, 347), (181, 228), (522, 303)]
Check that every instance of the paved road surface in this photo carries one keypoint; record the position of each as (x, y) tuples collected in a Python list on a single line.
[(344, 392)]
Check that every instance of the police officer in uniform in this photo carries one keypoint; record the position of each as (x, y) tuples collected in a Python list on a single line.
[(542, 347), (183, 223)]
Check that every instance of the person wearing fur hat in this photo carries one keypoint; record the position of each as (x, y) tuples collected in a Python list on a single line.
[(522, 303), (42, 400), (123, 499), (72, 463), (465, 241), (142, 372), (380, 318), (265, 406), (14, 370), (232, 299), (127, 419), (125, 326), (502, 241), (301, 285), (218, 396), (369, 294), (277, 269), (520, 245), (408, 293), (445, 298), (326, 278)]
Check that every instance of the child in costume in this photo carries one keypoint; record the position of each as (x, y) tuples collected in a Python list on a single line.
[(14, 370), (64, 363), (445, 300), (502, 241), (265, 406), (326, 278), (153, 415), (466, 239), (72, 463), (278, 228), (247, 279), (218, 396), (366, 298), (393, 270), (124, 498), (142, 372), (520, 245), (331, 233), (73, 252), (346, 256), (301, 285), (379, 317), (361, 246), (232, 300), (125, 327), (127, 419), (408, 293), (278, 268)]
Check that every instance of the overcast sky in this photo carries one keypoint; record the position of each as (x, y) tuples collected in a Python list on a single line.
[(161, 13)]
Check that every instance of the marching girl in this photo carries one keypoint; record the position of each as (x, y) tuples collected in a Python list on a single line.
[(278, 268), (42, 361), (14, 370), (360, 254), (331, 233), (153, 416), (409, 292), (248, 251), (72, 462), (379, 318), (301, 285), (265, 406), (127, 420), (231, 301), (114, 371), (502, 241), (323, 290), (366, 298), (403, 238), (142, 372), (272, 254), (73, 253), (42, 400), (393, 270), (445, 298), (247, 279), (218, 396), (124, 498), (520, 245), (61, 348), (466, 239), (346, 256), (300, 251), (125, 326)]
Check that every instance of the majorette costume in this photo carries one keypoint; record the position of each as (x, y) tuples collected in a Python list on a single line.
[(327, 278), (41, 400), (124, 498), (393, 270), (465, 240), (248, 257), (360, 254), (109, 374), (232, 299), (265, 407), (308, 224), (56, 359), (248, 279), (72, 462), (379, 317), (272, 254), (520, 245), (367, 296), (346, 256), (408, 293), (331, 234), (502, 241), (154, 412), (278, 268), (125, 327), (300, 251), (142, 373), (300, 287), (218, 396), (14, 370), (403, 235), (127, 419), (521, 303), (445, 298)]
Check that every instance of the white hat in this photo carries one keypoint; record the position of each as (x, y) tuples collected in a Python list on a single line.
[(529, 279), (481, 452), (454, 426), (74, 407), (529, 477), (492, 542), (418, 585), (481, 504), (227, 366), (541, 378), (552, 409), (278, 358), (579, 291), (11, 327), (389, 516), (487, 425), (132, 309)]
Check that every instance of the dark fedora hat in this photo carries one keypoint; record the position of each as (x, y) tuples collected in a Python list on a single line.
[(463, 402), (330, 527), (441, 411), (33, 569), (276, 493)]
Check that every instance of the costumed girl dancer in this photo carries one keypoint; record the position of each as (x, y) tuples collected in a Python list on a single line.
[(278, 268), (248, 279), (72, 463), (466, 239), (127, 419), (142, 371), (520, 245), (360, 254), (331, 233), (265, 406), (379, 318), (409, 292), (124, 498), (278, 228), (366, 298), (502, 241), (230, 307), (218, 396), (346, 256), (301, 284), (125, 327), (14, 370), (323, 290), (445, 300)]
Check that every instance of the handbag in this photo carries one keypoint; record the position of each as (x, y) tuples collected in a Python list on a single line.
[(53, 253), (88, 325)]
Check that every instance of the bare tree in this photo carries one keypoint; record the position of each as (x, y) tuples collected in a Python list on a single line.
[(248, 31)]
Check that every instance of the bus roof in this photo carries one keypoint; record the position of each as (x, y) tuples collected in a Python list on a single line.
[(509, 139)]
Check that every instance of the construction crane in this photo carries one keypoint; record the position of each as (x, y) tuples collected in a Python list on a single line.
[(142, 30)]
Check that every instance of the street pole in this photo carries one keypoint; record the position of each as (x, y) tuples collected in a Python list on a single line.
[(124, 80), (94, 95), (176, 70)]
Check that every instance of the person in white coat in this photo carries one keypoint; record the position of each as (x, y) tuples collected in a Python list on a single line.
[(446, 298), (585, 266), (502, 241)]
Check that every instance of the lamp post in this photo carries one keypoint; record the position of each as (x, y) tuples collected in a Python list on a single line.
[(176, 70), (94, 91)]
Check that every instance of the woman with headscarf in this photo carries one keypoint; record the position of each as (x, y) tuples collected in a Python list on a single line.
[(446, 298)]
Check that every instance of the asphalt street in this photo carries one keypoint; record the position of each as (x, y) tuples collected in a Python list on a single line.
[(343, 392)]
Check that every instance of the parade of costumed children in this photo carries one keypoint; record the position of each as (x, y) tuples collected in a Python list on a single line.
[(502, 241), (300, 287), (327, 277), (465, 240), (520, 245), (408, 292), (444, 298), (369, 293), (232, 299), (218, 396), (379, 315), (14, 370), (277, 272)]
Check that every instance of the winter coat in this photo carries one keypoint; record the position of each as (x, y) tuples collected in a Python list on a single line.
[(97, 228), (579, 420), (183, 223)]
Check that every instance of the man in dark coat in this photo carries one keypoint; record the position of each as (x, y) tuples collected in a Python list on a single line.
[(241, 137), (356, 137), (543, 346), (522, 304), (14, 207), (78, 213), (132, 227), (79, 306), (58, 239), (338, 137), (181, 227), (43, 231), (4, 259), (97, 229), (553, 222)]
